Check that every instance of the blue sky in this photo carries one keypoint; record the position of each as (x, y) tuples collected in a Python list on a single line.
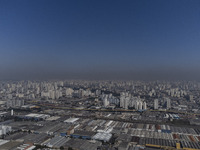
[(87, 38)]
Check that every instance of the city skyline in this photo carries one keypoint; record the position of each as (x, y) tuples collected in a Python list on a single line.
[(99, 74), (145, 40)]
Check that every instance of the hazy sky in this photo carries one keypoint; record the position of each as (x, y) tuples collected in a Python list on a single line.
[(99, 39)]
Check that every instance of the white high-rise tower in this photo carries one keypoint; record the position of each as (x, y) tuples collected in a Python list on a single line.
[(12, 112), (168, 103), (144, 105), (156, 104)]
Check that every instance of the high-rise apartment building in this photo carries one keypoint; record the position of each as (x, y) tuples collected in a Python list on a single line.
[(156, 104)]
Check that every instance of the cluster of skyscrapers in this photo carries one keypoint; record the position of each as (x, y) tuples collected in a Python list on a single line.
[(128, 101)]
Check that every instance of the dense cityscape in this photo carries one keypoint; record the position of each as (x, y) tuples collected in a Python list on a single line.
[(98, 115), (99, 75)]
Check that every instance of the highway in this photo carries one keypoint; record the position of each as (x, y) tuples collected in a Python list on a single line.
[(112, 110)]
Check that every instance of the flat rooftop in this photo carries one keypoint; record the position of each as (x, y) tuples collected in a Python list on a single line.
[(71, 120)]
